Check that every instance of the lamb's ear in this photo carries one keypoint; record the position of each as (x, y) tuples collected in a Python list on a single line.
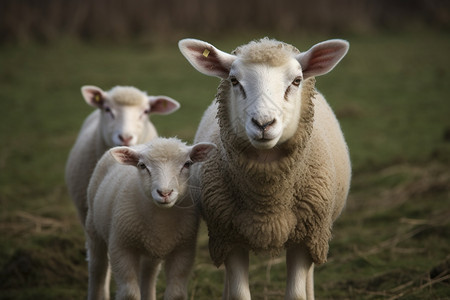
[(94, 96), (125, 155), (201, 151), (322, 57), (206, 58), (162, 105)]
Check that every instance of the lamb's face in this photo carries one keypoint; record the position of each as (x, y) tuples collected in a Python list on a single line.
[(265, 104), (163, 167), (123, 125), (165, 180), (124, 113)]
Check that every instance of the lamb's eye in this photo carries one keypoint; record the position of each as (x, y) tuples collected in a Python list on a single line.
[(188, 164), (141, 166), (108, 110), (234, 81), (297, 81), (147, 111)]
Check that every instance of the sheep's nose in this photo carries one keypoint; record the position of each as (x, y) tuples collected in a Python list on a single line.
[(263, 126), (164, 194), (125, 139)]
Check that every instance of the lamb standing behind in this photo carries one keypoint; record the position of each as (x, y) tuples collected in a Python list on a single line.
[(282, 171), (140, 212), (120, 120)]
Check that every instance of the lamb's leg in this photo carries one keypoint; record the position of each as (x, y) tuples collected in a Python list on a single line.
[(236, 275), (107, 282), (310, 283), (98, 269), (299, 268), (125, 267), (178, 267), (149, 269)]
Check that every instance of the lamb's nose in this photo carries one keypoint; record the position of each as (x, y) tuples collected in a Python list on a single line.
[(165, 193), (263, 126), (125, 139)]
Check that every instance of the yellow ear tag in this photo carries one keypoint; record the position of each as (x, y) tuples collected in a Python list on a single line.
[(206, 53), (97, 98)]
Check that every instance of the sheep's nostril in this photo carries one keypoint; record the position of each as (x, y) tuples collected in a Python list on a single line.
[(256, 123), (164, 193), (125, 139), (264, 126)]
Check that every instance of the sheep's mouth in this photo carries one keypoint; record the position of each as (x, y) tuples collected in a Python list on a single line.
[(262, 139), (164, 204), (263, 143), (261, 136)]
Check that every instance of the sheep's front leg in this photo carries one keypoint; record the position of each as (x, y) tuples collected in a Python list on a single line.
[(149, 269), (98, 269), (236, 275), (300, 274), (125, 268), (178, 267), (107, 282)]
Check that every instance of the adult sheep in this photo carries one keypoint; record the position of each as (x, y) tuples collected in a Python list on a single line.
[(282, 171), (121, 119), (140, 213)]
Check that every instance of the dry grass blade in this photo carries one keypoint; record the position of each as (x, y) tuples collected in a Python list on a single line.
[(416, 289), (29, 223), (391, 243)]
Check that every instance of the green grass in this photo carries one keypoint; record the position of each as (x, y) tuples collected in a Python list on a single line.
[(390, 94)]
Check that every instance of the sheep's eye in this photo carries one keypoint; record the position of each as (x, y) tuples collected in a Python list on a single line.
[(297, 81), (108, 110), (188, 164), (147, 111), (141, 166), (234, 81)]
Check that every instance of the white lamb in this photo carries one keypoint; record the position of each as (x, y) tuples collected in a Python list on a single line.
[(282, 171), (140, 213), (121, 119)]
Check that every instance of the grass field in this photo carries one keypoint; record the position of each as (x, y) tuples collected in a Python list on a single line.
[(391, 94)]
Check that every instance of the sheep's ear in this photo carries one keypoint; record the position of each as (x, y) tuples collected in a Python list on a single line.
[(125, 155), (94, 96), (206, 58), (322, 57), (162, 105), (201, 151)]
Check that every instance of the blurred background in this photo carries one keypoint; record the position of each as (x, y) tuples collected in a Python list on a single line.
[(390, 94), (119, 20)]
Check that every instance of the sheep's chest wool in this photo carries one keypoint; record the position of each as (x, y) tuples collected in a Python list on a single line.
[(263, 205), (135, 227)]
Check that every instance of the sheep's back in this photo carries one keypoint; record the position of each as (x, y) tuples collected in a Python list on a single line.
[(208, 129), (81, 162)]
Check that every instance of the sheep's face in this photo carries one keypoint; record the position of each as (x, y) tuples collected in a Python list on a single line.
[(164, 180), (164, 167), (265, 101), (123, 125), (125, 113), (265, 77)]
